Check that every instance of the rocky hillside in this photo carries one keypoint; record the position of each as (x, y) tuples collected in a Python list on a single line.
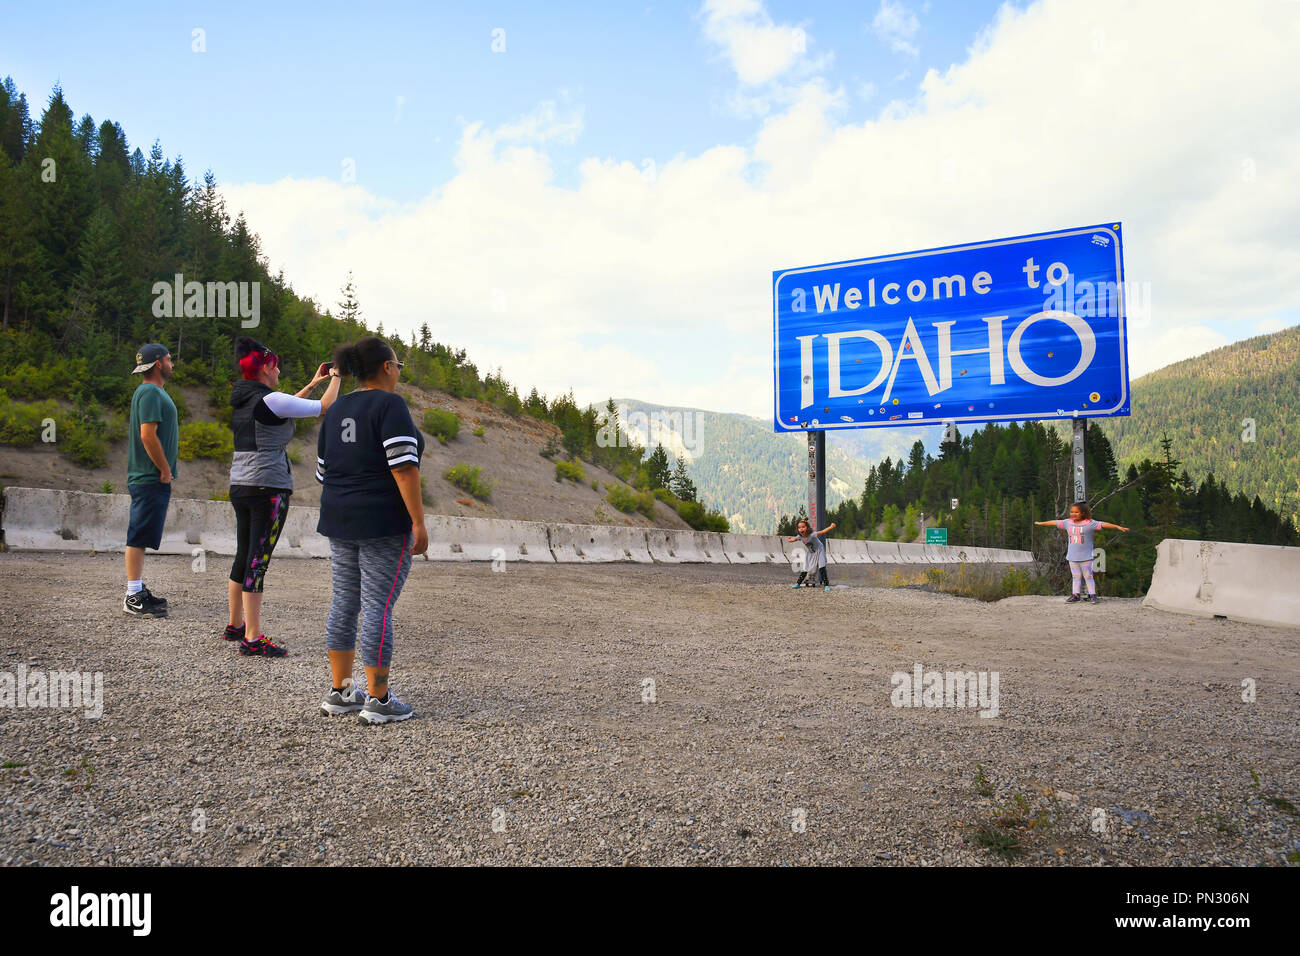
[(509, 453)]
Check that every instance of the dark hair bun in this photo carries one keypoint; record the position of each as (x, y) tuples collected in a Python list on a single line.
[(363, 359), (246, 346)]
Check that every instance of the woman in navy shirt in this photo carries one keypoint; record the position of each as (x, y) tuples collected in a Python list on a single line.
[(368, 460)]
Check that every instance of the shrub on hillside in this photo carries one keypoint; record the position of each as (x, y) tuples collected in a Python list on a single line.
[(469, 479), (28, 381), (191, 375), (693, 514), (572, 470), (441, 424), (20, 424), (629, 501), (83, 442), (206, 440)]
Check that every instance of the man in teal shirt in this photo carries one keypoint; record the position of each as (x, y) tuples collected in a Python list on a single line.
[(154, 434)]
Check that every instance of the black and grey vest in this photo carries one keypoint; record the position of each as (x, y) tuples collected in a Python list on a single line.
[(260, 439)]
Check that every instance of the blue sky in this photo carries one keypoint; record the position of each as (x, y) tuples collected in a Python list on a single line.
[(291, 89), (601, 206)]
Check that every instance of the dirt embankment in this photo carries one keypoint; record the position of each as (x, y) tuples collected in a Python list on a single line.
[(524, 485)]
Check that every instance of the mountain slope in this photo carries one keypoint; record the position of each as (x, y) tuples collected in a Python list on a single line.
[(1207, 405), (739, 464)]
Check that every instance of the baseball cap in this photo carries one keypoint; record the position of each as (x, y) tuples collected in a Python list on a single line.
[(147, 356)]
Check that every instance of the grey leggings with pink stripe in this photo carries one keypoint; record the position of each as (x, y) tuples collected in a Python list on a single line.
[(1082, 569), (368, 578)]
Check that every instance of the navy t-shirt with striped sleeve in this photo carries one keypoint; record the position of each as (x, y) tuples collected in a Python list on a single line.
[(364, 435)]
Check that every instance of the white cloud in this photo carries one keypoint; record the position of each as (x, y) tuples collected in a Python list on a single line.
[(658, 287), (1269, 326), (897, 26), (759, 49)]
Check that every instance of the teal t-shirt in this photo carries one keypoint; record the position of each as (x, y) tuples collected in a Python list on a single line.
[(151, 404)]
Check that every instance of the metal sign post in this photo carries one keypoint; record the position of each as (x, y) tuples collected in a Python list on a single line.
[(1080, 468), (816, 479)]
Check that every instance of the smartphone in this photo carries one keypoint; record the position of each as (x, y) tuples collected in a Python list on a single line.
[(328, 366)]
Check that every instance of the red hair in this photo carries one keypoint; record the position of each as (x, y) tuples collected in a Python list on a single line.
[(254, 357)]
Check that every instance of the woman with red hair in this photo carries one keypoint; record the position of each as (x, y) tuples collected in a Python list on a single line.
[(261, 480)]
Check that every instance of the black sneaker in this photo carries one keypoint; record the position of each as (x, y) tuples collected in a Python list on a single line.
[(1093, 599), (233, 633), (261, 648), (137, 605), (1072, 599), (150, 599)]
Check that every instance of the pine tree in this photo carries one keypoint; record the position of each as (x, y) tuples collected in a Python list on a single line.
[(681, 484), (657, 468), (349, 308)]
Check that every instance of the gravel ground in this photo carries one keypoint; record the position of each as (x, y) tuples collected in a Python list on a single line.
[(772, 738)]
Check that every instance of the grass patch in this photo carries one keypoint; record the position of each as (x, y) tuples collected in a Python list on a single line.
[(441, 424), (572, 470), (1222, 823), (1005, 834), (205, 440), (984, 583), (1283, 805), (478, 433), (1004, 845), (469, 479), (629, 501)]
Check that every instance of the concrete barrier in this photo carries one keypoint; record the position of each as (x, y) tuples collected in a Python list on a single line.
[(593, 543), (454, 538), (183, 531), (1255, 583), (709, 544), (42, 519), (753, 549), (298, 538), (846, 551), (682, 547), (910, 552)]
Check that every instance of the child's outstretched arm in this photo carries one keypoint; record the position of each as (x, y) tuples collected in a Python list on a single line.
[(1115, 527), (825, 529), (1046, 524)]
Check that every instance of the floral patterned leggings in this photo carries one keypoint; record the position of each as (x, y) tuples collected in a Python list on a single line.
[(258, 522)]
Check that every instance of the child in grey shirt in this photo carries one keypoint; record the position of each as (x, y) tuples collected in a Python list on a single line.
[(1081, 527)]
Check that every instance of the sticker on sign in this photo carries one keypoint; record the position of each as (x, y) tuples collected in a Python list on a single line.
[(1030, 327)]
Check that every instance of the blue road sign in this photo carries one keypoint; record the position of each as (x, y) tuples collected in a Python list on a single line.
[(1011, 329)]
